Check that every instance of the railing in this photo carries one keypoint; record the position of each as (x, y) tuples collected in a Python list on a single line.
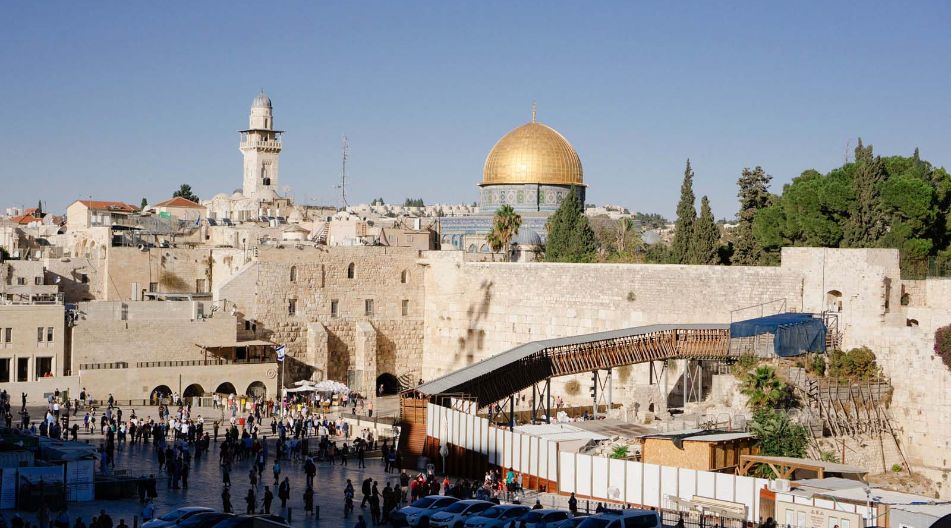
[(262, 144), (179, 363), (103, 366), (32, 298)]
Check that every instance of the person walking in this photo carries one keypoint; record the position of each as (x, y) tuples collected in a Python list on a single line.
[(309, 501), (268, 497), (276, 468), (226, 501), (251, 501), (365, 489), (284, 492)]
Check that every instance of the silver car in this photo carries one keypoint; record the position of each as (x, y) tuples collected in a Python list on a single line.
[(455, 515)]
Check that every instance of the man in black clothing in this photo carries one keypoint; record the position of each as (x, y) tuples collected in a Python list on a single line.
[(365, 489)]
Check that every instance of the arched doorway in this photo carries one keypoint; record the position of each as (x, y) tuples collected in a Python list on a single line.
[(226, 388), (162, 392), (257, 389), (834, 301), (193, 390), (389, 383)]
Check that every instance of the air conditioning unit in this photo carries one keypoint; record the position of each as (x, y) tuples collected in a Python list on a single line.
[(780, 486)]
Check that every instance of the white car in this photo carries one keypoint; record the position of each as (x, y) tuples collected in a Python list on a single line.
[(419, 512), (543, 518), (175, 516), (499, 516), (456, 514), (622, 519)]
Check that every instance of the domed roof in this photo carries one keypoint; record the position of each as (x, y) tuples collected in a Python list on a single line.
[(533, 153), (527, 237), (261, 100)]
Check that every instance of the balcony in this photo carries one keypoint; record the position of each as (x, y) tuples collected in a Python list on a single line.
[(263, 145), (32, 299)]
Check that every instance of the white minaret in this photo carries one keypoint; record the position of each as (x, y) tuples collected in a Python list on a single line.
[(261, 146)]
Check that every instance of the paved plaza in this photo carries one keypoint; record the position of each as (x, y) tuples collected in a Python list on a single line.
[(205, 483)]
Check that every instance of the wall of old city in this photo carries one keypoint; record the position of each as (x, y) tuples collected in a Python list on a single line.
[(145, 331), (304, 297)]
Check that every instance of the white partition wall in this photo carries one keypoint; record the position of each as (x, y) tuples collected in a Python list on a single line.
[(583, 474), (635, 483), (566, 475), (599, 480)]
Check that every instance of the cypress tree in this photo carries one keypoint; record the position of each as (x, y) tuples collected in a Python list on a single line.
[(570, 237), (706, 237), (686, 218), (867, 218), (753, 195)]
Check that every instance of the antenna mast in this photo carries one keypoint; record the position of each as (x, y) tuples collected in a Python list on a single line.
[(345, 147)]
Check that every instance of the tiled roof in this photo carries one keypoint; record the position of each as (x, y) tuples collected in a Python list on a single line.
[(112, 206), (178, 201)]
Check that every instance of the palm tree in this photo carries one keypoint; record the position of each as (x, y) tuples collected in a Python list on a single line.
[(763, 388), (505, 226)]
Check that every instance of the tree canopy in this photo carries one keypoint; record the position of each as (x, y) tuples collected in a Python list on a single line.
[(185, 191), (505, 226), (889, 202), (570, 238), (686, 218)]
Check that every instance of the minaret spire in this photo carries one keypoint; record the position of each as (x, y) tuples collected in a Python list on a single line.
[(534, 110)]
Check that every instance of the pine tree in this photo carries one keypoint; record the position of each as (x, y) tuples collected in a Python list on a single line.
[(686, 218), (867, 220), (570, 237), (143, 204), (753, 195), (704, 248)]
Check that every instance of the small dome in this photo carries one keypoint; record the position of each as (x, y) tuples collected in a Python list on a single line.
[(527, 237), (261, 100), (237, 195), (533, 153)]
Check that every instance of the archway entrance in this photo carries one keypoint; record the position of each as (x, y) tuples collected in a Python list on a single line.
[(226, 388), (162, 392), (388, 383), (257, 389), (193, 390)]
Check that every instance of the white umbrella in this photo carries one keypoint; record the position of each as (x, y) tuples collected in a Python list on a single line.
[(330, 386)]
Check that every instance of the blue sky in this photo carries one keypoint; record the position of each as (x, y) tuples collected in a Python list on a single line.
[(120, 100)]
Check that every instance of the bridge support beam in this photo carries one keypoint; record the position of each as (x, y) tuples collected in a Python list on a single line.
[(541, 400), (601, 391)]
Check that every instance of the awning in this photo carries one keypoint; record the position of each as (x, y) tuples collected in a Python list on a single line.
[(236, 344), (793, 333)]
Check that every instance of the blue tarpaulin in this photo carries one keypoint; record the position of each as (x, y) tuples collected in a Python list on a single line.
[(793, 333)]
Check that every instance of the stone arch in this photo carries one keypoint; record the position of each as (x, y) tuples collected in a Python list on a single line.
[(293, 273), (257, 389), (911, 322), (226, 388), (193, 390), (473, 248), (390, 384), (834, 301), (160, 392), (351, 270)]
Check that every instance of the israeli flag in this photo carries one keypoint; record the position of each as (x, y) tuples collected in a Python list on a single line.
[(280, 353)]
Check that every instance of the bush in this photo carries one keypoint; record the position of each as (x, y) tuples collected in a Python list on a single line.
[(942, 344), (777, 436), (896, 468), (816, 365), (619, 452), (857, 364), (743, 365), (765, 389), (572, 388)]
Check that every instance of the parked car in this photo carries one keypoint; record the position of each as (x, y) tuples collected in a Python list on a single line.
[(419, 512), (536, 518), (456, 514), (175, 516), (497, 516), (248, 521), (204, 520), (571, 522), (622, 519)]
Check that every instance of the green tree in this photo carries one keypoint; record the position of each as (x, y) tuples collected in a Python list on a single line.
[(185, 191), (754, 196), (777, 436), (706, 237), (414, 202), (686, 218), (867, 218), (764, 388), (144, 203), (570, 238), (505, 226)]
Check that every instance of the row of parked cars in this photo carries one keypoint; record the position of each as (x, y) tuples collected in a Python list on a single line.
[(201, 517), (438, 511)]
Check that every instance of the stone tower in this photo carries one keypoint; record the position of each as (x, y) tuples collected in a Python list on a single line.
[(261, 146)]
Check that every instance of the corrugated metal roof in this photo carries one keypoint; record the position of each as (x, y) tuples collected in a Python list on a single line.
[(447, 383)]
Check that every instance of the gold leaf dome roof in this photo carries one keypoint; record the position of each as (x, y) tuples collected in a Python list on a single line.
[(533, 153)]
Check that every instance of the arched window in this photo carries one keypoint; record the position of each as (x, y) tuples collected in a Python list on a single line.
[(834, 301), (351, 269), (404, 276), (293, 273)]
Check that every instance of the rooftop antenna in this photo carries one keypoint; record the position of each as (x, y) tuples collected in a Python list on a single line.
[(345, 148)]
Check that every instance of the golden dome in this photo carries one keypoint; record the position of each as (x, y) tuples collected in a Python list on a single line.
[(533, 153)]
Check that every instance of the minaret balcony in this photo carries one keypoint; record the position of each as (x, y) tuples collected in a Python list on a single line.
[(261, 144)]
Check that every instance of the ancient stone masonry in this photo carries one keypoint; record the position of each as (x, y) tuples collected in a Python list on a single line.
[(311, 300)]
